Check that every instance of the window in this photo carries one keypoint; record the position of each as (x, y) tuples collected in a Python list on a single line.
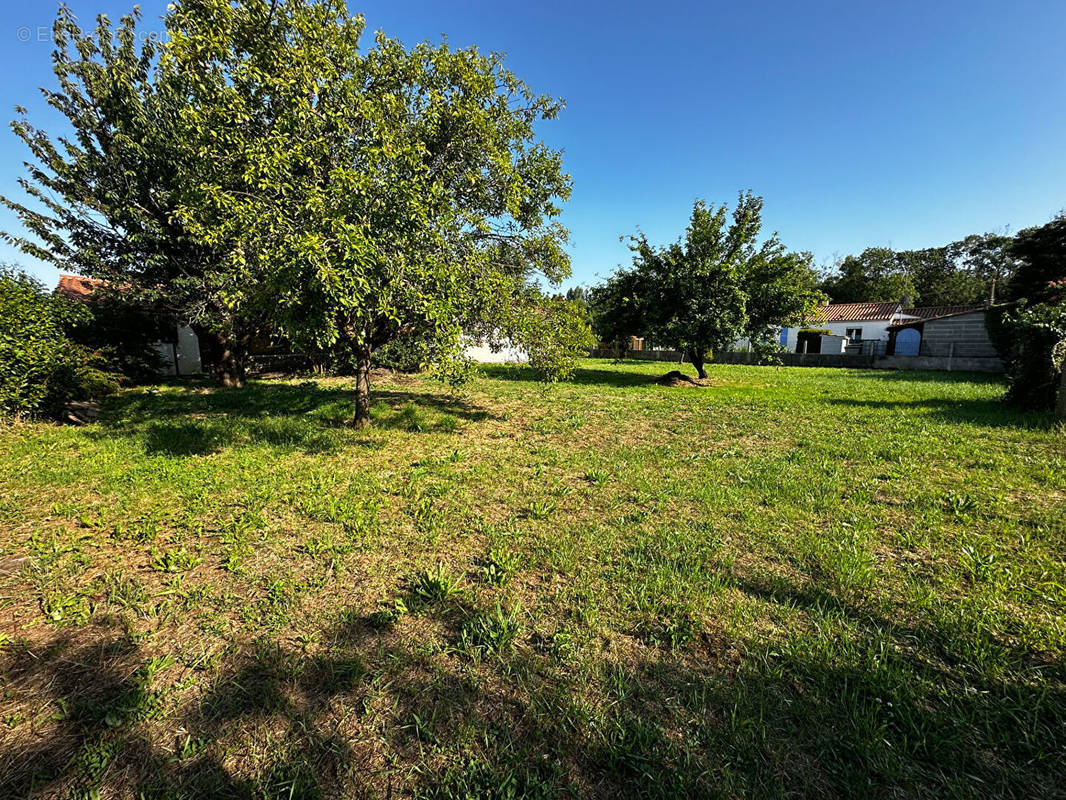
[(855, 334)]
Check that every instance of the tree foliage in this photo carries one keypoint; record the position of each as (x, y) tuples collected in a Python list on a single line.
[(261, 167), (109, 201), (965, 272), (716, 284), (1030, 332)]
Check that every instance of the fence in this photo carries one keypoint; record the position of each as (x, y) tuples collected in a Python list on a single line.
[(851, 360)]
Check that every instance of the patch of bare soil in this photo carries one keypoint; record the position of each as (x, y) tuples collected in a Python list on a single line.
[(678, 378)]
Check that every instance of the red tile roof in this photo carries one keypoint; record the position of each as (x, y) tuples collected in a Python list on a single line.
[(928, 312), (77, 287), (856, 312)]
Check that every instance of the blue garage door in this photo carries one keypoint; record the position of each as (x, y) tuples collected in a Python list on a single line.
[(908, 342)]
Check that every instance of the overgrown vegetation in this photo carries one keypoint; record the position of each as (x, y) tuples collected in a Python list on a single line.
[(41, 368), (1031, 332), (791, 582)]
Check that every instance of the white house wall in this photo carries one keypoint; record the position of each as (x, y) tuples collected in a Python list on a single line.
[(483, 354), (870, 330), (187, 350)]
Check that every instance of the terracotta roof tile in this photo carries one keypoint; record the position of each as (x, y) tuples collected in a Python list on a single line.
[(928, 312), (77, 287), (856, 312)]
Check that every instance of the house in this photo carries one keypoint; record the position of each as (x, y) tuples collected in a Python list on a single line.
[(178, 348), (868, 327), (951, 331), (482, 352), (857, 322)]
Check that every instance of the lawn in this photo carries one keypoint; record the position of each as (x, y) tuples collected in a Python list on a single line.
[(797, 582)]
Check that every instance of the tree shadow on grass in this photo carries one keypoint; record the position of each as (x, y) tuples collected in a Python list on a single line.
[(290, 417), (582, 377), (372, 710), (988, 413)]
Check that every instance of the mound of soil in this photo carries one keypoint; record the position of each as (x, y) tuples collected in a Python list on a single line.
[(678, 378)]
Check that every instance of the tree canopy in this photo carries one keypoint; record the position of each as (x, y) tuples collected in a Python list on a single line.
[(972, 270), (261, 168), (716, 284)]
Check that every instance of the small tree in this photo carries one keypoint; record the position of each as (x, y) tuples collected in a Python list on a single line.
[(714, 285)]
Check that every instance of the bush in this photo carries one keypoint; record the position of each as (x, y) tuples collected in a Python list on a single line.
[(1031, 334), (41, 370), (122, 332), (1031, 340)]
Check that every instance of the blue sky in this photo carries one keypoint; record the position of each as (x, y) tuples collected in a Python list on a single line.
[(861, 123)]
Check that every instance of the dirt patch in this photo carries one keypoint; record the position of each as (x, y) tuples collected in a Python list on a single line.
[(678, 378)]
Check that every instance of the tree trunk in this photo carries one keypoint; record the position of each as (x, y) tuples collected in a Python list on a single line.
[(362, 389), (231, 370), (697, 362)]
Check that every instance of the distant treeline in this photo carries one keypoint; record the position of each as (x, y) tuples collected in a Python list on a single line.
[(976, 269)]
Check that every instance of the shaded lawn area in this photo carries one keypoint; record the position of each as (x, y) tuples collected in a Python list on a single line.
[(793, 582)]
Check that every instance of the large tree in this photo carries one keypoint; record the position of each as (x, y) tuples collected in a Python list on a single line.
[(391, 192), (873, 276), (972, 270), (107, 201), (711, 287), (259, 166)]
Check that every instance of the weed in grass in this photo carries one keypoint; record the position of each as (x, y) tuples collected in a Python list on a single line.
[(125, 591), (412, 418), (436, 585), (597, 477), (139, 531), (961, 505), (174, 560), (980, 565), (388, 616), (541, 509), (492, 631), (500, 565), (66, 608)]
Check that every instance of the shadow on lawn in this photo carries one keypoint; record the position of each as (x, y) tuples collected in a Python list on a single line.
[(299, 417), (990, 413), (374, 712), (581, 377)]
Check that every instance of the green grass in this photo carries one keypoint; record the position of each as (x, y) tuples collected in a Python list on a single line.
[(793, 582)]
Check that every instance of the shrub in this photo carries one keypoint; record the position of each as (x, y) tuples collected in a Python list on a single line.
[(41, 370), (1031, 341), (120, 331), (1031, 334)]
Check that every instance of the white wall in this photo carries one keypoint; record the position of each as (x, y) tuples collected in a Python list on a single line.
[(483, 354), (188, 353), (870, 330)]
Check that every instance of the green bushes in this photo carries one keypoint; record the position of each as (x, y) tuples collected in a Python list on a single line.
[(1031, 334), (41, 370), (1032, 343)]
